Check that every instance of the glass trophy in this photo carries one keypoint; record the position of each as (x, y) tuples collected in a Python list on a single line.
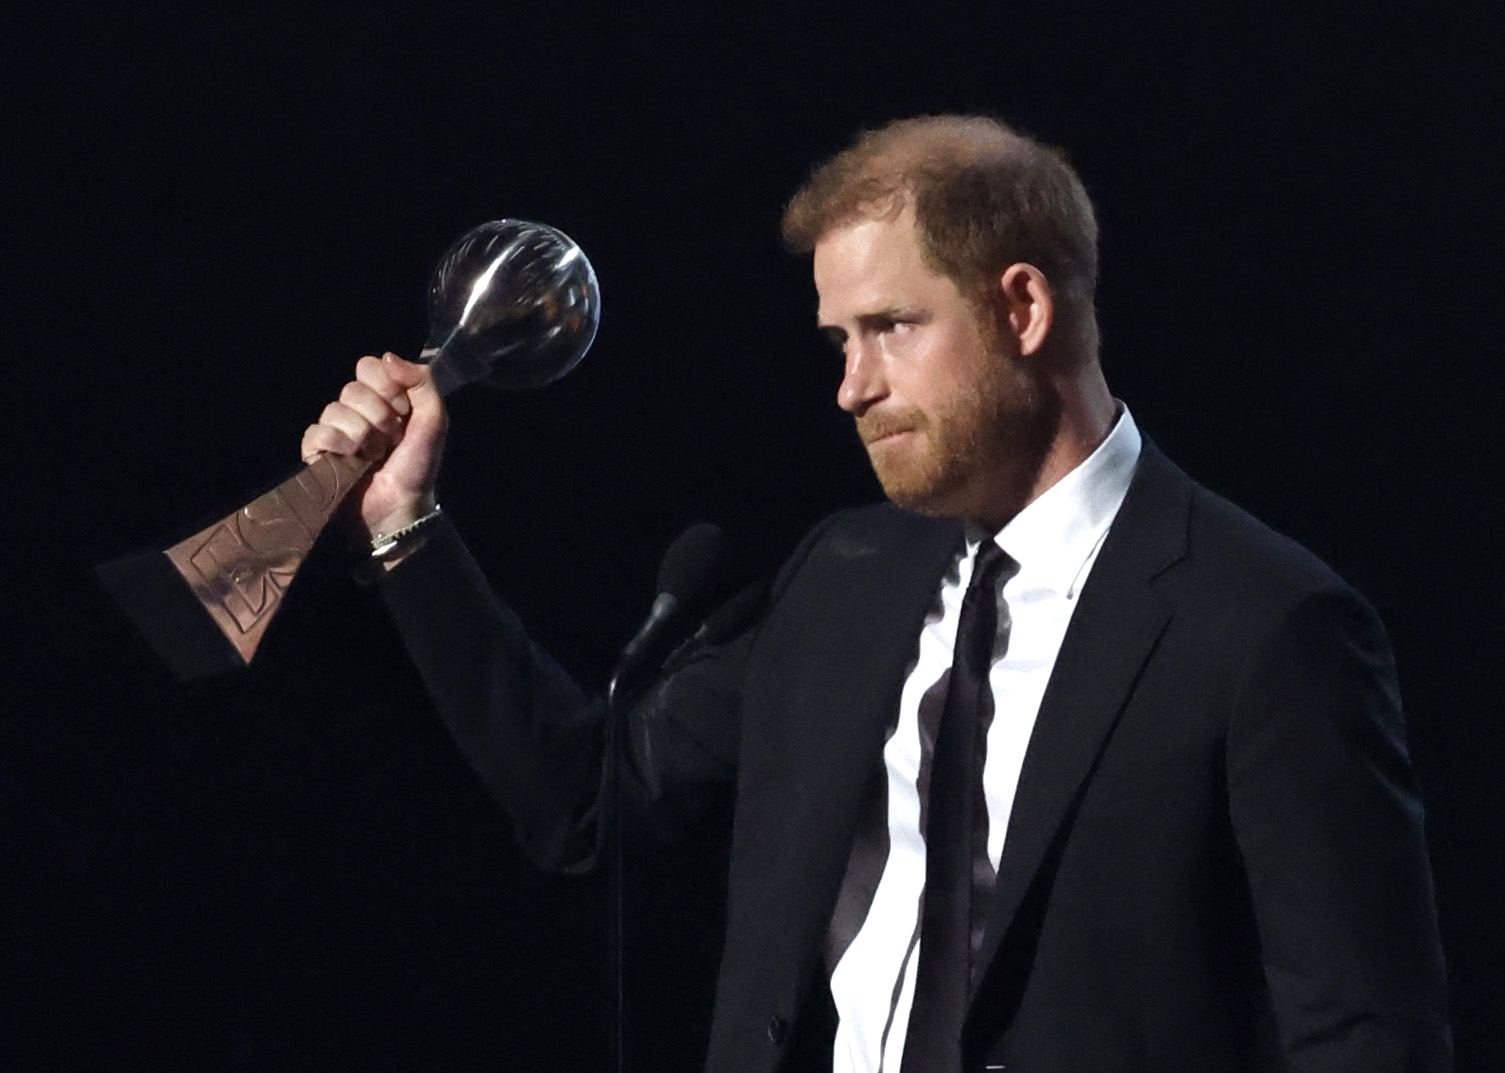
[(512, 303)]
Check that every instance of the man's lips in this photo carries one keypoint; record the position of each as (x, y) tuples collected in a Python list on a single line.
[(875, 432)]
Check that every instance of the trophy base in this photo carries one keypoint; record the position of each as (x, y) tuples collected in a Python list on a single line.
[(168, 614), (204, 603)]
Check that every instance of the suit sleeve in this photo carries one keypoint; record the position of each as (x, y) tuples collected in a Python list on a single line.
[(530, 731), (1329, 823), (535, 736)]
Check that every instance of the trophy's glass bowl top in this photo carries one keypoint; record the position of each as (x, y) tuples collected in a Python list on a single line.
[(512, 302)]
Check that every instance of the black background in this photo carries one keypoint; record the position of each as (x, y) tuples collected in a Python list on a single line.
[(211, 214)]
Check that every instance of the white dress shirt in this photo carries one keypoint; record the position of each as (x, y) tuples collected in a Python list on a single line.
[(1055, 541)]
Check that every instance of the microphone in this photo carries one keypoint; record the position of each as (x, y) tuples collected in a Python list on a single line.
[(683, 579)]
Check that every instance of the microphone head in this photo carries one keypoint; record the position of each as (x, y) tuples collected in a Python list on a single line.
[(684, 580), (691, 562)]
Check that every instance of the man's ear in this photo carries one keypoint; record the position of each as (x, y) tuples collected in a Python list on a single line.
[(1029, 307)]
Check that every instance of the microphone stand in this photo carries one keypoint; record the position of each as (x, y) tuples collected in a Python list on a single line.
[(615, 842), (619, 700), (684, 577)]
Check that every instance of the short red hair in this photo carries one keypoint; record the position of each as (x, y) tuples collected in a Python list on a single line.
[(984, 195)]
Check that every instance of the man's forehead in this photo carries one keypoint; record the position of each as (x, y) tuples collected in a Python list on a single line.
[(865, 246), (868, 265)]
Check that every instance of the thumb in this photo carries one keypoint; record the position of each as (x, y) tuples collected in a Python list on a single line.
[(414, 461), (407, 373), (418, 382)]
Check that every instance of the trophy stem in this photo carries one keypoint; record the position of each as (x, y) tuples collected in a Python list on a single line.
[(237, 570)]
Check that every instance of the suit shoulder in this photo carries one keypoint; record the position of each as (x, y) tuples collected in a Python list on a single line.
[(873, 524), (1225, 532), (1211, 547), (885, 520), (865, 532), (1257, 574)]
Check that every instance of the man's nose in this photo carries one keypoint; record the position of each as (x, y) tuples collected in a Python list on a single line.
[(862, 383)]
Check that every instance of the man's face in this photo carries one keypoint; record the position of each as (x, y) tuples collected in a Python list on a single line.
[(946, 410)]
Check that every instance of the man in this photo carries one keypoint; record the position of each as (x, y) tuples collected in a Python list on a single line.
[(1136, 800)]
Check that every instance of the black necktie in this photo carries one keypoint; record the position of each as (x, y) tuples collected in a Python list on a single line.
[(943, 979)]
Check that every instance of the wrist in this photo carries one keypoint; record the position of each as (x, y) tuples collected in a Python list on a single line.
[(388, 548), (388, 543), (402, 514)]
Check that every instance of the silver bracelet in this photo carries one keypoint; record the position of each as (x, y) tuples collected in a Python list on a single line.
[(384, 544)]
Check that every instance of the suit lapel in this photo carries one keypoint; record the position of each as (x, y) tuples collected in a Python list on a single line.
[(822, 683), (1112, 634), (849, 622)]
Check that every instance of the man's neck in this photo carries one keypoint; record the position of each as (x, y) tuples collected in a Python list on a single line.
[(1087, 412)]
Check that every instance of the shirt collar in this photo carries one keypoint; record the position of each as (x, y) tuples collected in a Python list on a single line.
[(1057, 535)]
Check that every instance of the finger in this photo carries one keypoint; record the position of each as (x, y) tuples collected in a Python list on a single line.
[(373, 407), (319, 439), (350, 423), (373, 372)]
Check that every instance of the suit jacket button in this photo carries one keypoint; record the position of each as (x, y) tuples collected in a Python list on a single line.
[(778, 1029)]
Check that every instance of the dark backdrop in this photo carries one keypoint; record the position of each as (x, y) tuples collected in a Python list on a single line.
[(211, 214)]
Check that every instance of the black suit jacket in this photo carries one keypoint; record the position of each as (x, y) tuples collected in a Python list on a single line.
[(1214, 859)]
